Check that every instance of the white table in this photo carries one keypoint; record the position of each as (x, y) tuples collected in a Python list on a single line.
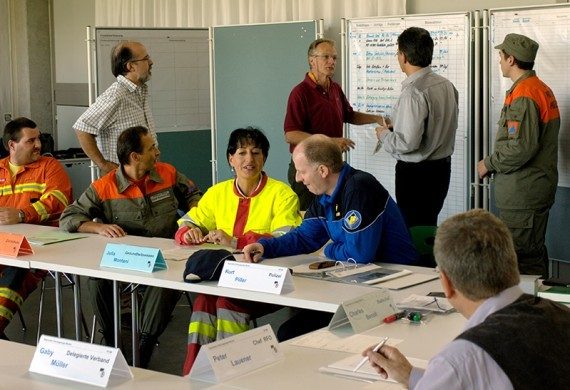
[(15, 361), (299, 368), (83, 256)]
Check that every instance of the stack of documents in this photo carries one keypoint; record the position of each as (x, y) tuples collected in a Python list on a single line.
[(367, 274), (346, 272)]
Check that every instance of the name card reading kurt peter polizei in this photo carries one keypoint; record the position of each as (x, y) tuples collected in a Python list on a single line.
[(256, 277), (136, 258)]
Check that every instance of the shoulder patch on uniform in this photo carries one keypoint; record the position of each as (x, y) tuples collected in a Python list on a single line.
[(513, 128), (352, 220)]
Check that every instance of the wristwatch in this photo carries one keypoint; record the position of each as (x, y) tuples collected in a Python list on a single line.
[(22, 216)]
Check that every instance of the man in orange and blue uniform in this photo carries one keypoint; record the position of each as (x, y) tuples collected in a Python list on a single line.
[(33, 189), (525, 157), (141, 198)]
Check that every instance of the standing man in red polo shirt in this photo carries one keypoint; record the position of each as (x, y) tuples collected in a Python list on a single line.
[(318, 106)]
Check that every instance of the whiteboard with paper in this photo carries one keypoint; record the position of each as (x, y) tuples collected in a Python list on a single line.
[(374, 84), (550, 28)]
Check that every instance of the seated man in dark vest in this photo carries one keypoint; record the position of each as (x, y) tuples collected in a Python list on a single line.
[(511, 339)]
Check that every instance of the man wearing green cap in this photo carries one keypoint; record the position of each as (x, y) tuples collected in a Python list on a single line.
[(525, 157)]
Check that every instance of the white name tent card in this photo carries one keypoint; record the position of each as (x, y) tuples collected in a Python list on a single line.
[(236, 355), (136, 258), (256, 277), (78, 361), (364, 312)]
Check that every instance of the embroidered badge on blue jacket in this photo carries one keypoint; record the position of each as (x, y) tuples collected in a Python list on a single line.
[(352, 220)]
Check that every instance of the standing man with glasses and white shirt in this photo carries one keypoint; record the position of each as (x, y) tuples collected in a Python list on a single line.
[(318, 106), (124, 104)]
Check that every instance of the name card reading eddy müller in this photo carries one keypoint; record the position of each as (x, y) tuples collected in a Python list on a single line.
[(256, 277), (236, 355), (136, 258), (78, 361)]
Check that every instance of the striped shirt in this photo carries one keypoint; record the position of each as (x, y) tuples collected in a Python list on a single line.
[(124, 104)]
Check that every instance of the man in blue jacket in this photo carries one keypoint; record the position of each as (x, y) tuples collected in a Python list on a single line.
[(352, 210)]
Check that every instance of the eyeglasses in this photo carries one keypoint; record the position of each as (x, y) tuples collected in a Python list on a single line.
[(436, 303), (145, 58), (325, 57)]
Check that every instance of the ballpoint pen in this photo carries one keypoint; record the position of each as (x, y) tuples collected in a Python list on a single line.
[(376, 349)]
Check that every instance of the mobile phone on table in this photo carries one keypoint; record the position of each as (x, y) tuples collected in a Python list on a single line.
[(322, 264)]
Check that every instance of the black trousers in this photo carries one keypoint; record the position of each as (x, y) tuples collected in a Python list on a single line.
[(304, 321), (421, 189), (528, 228)]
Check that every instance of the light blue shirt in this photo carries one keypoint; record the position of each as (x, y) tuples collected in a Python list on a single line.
[(424, 119), (464, 365)]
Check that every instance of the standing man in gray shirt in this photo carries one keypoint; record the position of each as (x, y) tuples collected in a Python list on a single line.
[(422, 137), (124, 104)]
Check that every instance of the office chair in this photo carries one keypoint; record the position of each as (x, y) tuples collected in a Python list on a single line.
[(423, 238)]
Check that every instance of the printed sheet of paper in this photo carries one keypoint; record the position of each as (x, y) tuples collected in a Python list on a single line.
[(345, 366), (324, 339), (53, 236), (182, 252)]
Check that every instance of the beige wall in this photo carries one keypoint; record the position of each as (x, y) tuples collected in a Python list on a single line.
[(26, 79), (27, 89), (70, 19), (6, 104), (436, 6), (40, 70)]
